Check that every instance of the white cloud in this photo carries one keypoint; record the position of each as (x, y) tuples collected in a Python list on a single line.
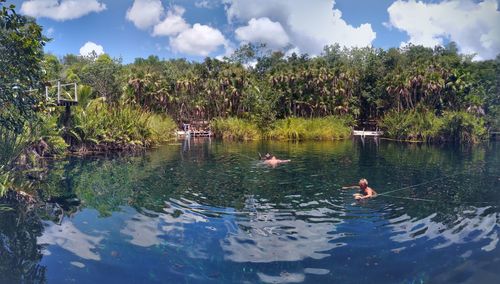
[(61, 10), (196, 40), (206, 4), (89, 46), (145, 13), (291, 51), (50, 31), (474, 26), (310, 25), (199, 40), (263, 30), (173, 24)]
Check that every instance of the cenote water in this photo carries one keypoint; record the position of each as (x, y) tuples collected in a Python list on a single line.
[(209, 212)]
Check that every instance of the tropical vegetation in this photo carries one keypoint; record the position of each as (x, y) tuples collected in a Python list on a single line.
[(260, 87), (412, 93)]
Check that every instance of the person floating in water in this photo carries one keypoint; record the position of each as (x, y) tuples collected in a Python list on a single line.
[(365, 191), (272, 161)]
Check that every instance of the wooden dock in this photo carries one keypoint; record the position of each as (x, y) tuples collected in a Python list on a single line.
[(194, 133), (66, 103), (197, 128), (364, 133)]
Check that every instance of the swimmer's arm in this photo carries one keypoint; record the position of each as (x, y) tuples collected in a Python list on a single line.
[(371, 193), (350, 187)]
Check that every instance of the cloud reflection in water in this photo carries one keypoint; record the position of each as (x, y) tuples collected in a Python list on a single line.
[(282, 235), (469, 226), (68, 237)]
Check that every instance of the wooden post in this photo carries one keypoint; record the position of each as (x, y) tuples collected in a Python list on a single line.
[(67, 115), (76, 94), (58, 91)]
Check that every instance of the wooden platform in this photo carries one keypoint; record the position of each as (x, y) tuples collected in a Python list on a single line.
[(62, 98), (367, 133), (66, 103), (195, 133)]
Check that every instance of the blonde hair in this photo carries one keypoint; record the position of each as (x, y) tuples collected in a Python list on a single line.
[(363, 180)]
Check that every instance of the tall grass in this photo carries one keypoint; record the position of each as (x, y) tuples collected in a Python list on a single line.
[(326, 128), (107, 127), (6, 181), (460, 126), (412, 125), (12, 144), (425, 126), (235, 129), (162, 127)]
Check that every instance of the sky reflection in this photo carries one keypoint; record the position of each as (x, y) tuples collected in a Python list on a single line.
[(70, 238)]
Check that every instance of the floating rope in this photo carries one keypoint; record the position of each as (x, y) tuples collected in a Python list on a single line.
[(412, 198), (417, 185), (445, 201)]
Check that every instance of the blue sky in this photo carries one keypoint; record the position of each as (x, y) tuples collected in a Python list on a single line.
[(197, 28)]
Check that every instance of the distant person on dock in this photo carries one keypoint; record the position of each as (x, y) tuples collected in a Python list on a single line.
[(272, 161), (365, 191)]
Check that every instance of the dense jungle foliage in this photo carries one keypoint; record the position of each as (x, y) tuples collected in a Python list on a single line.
[(260, 87), (413, 93)]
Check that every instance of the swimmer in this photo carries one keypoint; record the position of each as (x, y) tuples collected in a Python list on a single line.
[(365, 191), (272, 161)]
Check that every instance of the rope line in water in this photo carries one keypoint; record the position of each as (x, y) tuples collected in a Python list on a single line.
[(419, 184), (412, 198), (386, 194), (245, 156), (444, 201)]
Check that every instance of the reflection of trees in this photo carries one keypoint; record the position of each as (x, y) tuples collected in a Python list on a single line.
[(105, 183), (219, 173), (409, 160), (286, 214), (19, 252), (453, 178), (226, 172)]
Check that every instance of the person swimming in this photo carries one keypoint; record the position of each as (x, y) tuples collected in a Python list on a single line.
[(272, 161), (365, 191)]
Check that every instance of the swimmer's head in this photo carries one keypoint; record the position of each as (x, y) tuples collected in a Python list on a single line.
[(268, 156), (363, 183)]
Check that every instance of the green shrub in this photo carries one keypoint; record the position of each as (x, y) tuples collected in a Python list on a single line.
[(461, 126), (162, 127), (327, 128), (412, 125), (12, 143), (121, 124), (493, 118), (57, 145), (421, 125), (234, 129), (5, 181)]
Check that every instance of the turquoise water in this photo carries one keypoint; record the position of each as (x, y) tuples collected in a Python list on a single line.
[(209, 212)]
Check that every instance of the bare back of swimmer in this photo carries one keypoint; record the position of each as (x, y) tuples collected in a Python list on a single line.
[(271, 160)]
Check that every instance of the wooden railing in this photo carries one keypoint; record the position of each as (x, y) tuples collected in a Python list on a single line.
[(63, 98)]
